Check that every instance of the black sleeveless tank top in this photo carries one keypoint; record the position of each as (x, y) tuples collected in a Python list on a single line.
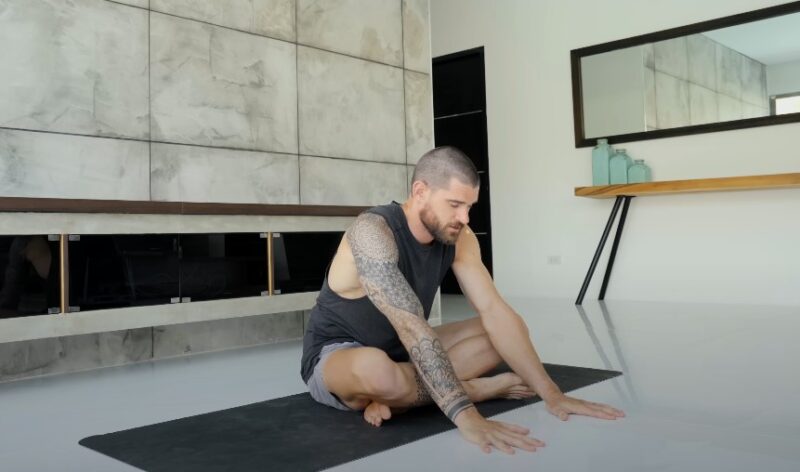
[(335, 319)]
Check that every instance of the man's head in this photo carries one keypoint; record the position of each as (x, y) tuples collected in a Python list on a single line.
[(444, 188)]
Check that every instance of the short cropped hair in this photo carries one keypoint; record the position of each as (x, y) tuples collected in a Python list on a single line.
[(437, 166)]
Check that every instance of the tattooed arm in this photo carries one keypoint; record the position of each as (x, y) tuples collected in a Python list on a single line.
[(376, 255)]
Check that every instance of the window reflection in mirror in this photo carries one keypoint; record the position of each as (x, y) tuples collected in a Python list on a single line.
[(785, 104)]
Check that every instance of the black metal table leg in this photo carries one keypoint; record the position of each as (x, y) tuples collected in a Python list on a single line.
[(599, 251), (614, 247)]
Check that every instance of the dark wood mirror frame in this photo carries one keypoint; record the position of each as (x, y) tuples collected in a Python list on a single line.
[(577, 95)]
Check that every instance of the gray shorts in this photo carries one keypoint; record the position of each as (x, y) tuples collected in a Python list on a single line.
[(316, 384)]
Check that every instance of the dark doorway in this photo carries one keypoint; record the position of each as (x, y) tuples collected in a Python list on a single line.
[(459, 119)]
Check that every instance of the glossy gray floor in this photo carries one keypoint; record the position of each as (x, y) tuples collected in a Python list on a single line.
[(706, 387)]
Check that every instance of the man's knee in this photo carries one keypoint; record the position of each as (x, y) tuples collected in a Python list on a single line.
[(379, 376)]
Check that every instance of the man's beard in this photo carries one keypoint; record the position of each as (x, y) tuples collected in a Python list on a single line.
[(437, 229)]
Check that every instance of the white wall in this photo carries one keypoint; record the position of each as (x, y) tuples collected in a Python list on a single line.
[(613, 92), (783, 78), (738, 247)]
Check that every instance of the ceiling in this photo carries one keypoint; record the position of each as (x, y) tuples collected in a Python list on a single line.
[(771, 41)]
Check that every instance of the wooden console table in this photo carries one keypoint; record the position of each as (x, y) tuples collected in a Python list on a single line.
[(623, 194)]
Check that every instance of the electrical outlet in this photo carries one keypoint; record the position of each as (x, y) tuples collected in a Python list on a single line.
[(554, 260)]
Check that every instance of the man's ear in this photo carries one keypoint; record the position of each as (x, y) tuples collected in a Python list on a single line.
[(419, 190)]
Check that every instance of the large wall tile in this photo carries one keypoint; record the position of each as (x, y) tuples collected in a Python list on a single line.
[(198, 174), (74, 353), (176, 340), (650, 116), (135, 3), (753, 111), (703, 106), (729, 108), (671, 57), (370, 29), (419, 115), (672, 101), (417, 35), (273, 18), (350, 108), (61, 166), (341, 182), (217, 87), (729, 72), (754, 82), (702, 61), (649, 55), (77, 67)]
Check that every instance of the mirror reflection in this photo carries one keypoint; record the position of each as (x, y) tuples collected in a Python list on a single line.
[(744, 71)]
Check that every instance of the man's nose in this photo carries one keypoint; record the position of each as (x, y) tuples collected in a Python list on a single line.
[(463, 216)]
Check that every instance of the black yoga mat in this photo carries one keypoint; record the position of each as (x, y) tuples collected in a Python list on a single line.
[(292, 433)]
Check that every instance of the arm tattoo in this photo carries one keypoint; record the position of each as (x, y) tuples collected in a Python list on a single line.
[(375, 252), (434, 365), (423, 397)]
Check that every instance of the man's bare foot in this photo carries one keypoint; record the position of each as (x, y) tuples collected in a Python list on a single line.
[(506, 385), (376, 413)]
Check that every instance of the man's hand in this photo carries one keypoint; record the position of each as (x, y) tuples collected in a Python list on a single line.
[(563, 406), (488, 434)]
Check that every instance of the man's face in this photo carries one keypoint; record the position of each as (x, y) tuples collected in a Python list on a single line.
[(446, 211)]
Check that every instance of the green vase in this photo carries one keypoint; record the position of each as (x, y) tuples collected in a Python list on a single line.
[(600, 162), (618, 168), (639, 172)]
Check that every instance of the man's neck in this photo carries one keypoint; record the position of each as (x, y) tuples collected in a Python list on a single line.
[(419, 231)]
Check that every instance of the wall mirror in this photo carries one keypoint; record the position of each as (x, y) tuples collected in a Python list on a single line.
[(735, 72)]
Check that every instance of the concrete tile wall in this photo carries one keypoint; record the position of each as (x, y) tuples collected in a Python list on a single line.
[(369, 29), (271, 18), (251, 101), (35, 164), (73, 353), (339, 79), (417, 35), (136, 3), (50, 356), (698, 81), (350, 107), (74, 67), (217, 87), (338, 182), (182, 339), (196, 174), (419, 115)]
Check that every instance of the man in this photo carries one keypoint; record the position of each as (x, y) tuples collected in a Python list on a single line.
[(368, 345)]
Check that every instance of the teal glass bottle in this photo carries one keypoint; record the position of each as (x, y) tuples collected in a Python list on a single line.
[(639, 172), (618, 167), (601, 154)]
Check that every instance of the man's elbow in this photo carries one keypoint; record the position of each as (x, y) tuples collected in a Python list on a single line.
[(502, 319)]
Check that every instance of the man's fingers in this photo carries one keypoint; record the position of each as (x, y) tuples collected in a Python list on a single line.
[(611, 410), (599, 410), (486, 447), (520, 441), (513, 427), (519, 431), (498, 442), (561, 414)]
